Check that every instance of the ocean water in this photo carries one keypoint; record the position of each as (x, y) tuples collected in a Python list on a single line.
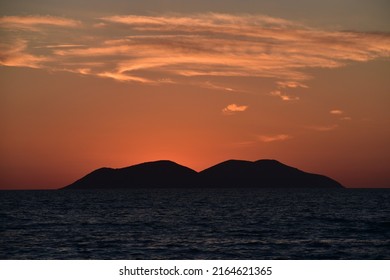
[(195, 224)]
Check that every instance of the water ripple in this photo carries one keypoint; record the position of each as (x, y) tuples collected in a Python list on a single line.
[(195, 224)]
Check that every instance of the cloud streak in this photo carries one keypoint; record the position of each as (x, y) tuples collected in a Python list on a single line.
[(283, 96), (336, 112), (340, 114), (150, 49), (16, 55), (274, 138), (234, 108), (31, 22), (323, 128)]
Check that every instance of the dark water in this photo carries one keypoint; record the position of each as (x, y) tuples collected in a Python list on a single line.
[(195, 224)]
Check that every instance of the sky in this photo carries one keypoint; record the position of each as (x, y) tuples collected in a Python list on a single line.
[(87, 84)]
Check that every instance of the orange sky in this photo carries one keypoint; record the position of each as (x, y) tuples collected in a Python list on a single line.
[(79, 92)]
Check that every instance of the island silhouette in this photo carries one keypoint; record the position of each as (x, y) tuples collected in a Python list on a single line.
[(264, 173)]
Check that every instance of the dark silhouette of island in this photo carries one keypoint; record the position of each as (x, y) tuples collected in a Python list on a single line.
[(228, 174)]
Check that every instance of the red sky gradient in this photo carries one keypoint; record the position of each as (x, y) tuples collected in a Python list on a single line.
[(197, 84)]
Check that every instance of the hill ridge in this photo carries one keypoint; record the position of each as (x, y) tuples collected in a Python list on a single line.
[(227, 174)]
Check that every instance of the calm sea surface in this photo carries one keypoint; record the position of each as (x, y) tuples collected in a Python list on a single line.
[(195, 224)]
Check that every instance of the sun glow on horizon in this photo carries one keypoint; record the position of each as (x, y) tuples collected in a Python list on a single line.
[(116, 87)]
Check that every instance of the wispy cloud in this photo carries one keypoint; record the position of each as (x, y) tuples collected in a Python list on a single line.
[(208, 22), (149, 49), (336, 112), (64, 46), (291, 84), (340, 114), (283, 96), (323, 128), (211, 85), (283, 87), (274, 138), (16, 55), (30, 22), (234, 108), (119, 77)]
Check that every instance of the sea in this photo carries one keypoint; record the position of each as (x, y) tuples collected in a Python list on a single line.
[(225, 224)]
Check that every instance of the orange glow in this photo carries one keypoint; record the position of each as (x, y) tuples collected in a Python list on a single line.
[(193, 88)]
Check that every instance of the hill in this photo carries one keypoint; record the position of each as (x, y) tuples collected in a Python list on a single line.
[(227, 174)]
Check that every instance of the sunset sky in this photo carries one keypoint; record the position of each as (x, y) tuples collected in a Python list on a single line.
[(87, 84)]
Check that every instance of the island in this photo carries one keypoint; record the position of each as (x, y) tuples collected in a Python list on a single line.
[(264, 173)]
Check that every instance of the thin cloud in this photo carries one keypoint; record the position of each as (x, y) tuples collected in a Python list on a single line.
[(95, 51), (34, 21), (64, 46), (283, 96), (340, 114), (323, 128), (234, 108), (336, 112), (274, 138), (189, 46), (211, 85), (120, 77), (291, 84), (16, 55), (209, 22)]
